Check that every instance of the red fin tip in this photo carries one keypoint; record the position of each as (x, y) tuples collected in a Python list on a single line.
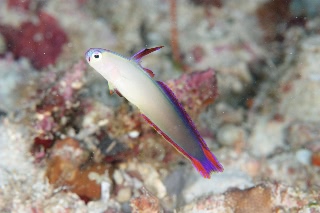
[(204, 173), (217, 166)]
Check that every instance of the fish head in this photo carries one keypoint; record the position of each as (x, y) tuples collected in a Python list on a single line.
[(95, 55)]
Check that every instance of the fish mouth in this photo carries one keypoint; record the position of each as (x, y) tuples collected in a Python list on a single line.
[(88, 54)]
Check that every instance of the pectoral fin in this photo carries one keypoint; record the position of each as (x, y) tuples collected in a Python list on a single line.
[(112, 90)]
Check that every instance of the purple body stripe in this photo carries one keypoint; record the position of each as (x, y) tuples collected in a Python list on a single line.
[(181, 111)]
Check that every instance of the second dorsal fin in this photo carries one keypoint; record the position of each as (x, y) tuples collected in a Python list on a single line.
[(149, 72), (139, 55)]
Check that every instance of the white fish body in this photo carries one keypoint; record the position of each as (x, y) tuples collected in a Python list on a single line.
[(156, 102)]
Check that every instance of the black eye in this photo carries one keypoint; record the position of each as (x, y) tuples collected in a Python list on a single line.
[(96, 56)]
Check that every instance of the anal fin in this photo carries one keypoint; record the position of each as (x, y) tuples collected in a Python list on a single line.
[(166, 137), (111, 88)]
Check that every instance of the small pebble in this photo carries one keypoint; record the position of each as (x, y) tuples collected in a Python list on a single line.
[(134, 134), (304, 156), (124, 194), (230, 134), (117, 177)]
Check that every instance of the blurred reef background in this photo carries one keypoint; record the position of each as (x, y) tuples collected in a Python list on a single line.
[(247, 72)]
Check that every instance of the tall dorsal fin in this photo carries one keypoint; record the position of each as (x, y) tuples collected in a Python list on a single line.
[(137, 57)]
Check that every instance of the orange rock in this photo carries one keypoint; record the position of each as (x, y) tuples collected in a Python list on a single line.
[(64, 170), (84, 186), (59, 171), (255, 199), (315, 159)]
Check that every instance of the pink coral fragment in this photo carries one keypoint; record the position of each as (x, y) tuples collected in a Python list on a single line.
[(195, 91), (58, 103), (41, 42), (19, 4)]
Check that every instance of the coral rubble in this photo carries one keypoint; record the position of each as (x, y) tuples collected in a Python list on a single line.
[(247, 72)]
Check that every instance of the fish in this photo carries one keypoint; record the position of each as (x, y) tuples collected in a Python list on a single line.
[(157, 104)]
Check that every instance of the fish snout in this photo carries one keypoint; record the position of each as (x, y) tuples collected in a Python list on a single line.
[(88, 54)]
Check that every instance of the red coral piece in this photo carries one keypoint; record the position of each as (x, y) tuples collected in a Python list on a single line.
[(40, 42), (46, 143), (19, 4), (59, 101), (195, 91)]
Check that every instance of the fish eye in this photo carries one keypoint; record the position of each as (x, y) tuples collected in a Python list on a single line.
[(97, 55)]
